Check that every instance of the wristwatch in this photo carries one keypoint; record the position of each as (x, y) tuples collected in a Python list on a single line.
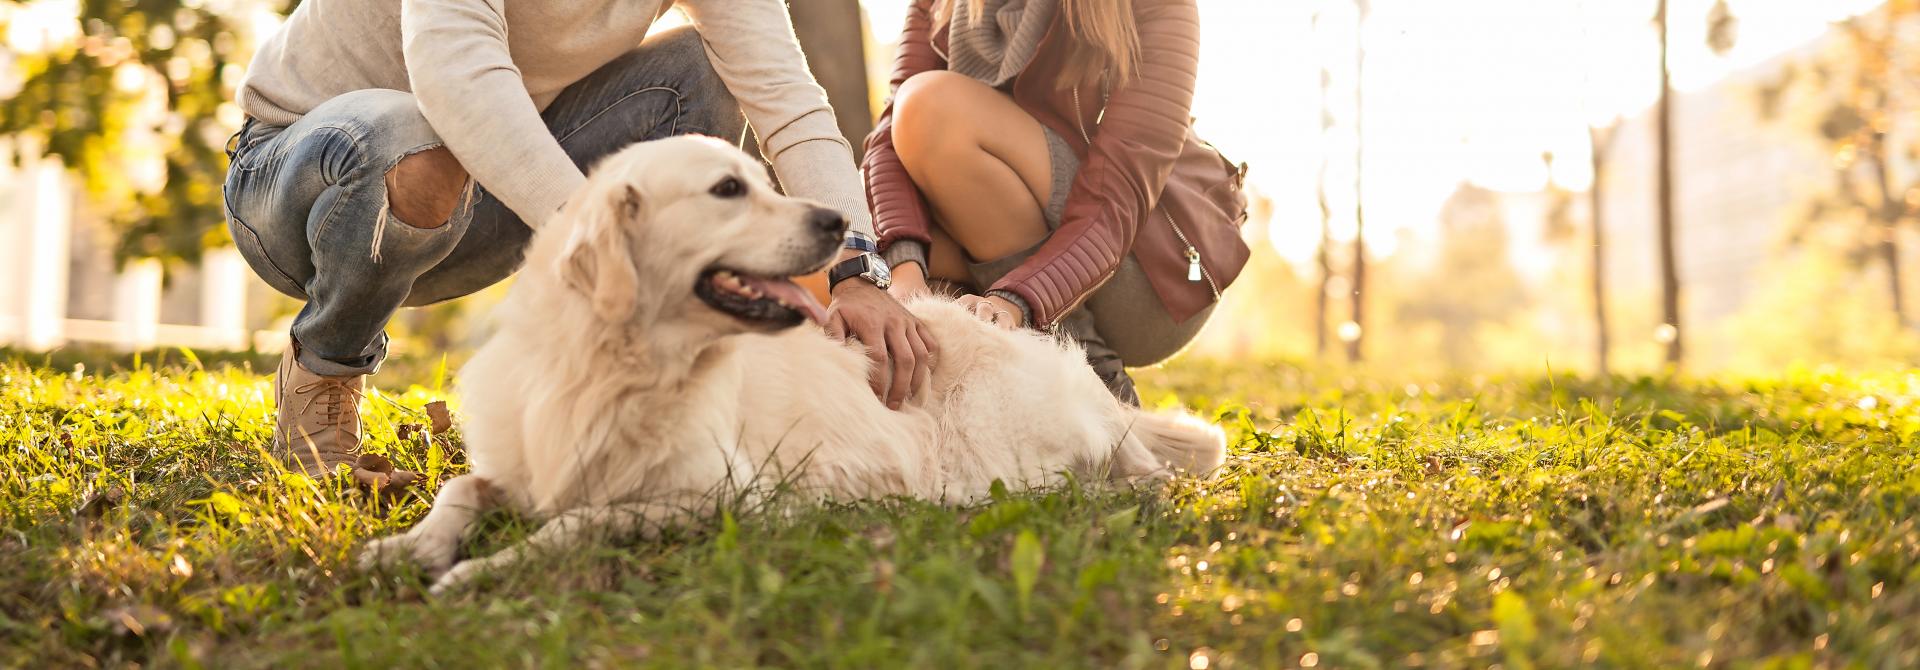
[(868, 266)]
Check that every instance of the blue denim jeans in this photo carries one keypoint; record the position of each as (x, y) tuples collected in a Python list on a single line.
[(307, 203)]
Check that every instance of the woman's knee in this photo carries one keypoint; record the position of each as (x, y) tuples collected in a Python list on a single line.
[(929, 114)]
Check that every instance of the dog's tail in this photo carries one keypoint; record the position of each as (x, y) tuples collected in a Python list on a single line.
[(1165, 443)]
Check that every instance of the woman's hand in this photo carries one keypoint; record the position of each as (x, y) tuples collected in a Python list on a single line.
[(909, 281), (995, 310)]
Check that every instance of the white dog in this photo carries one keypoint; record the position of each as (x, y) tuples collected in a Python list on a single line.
[(647, 357)]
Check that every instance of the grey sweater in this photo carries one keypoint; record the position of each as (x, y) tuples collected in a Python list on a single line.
[(482, 76)]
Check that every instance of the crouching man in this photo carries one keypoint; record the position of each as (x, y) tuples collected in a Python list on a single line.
[(398, 153)]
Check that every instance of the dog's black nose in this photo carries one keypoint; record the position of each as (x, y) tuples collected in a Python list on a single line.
[(827, 222)]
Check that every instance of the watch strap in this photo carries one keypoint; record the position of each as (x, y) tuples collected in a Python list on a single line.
[(848, 269)]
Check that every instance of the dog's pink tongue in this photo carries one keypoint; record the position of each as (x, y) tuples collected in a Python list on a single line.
[(790, 293)]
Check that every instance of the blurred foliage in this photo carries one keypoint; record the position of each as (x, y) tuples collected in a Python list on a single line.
[(1859, 98), (1723, 28), (142, 84), (1810, 311), (1470, 284)]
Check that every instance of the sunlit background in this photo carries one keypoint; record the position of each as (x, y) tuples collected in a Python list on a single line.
[(1464, 129)]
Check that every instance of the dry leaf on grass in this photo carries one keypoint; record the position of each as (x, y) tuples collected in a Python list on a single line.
[(97, 503), (375, 473), (442, 419)]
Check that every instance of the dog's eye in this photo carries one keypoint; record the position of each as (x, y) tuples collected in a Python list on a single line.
[(730, 187)]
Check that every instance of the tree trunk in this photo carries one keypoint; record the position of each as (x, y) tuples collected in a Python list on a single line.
[(1669, 268), (1888, 245), (833, 36), (1325, 259), (1355, 345), (1596, 220), (1890, 255)]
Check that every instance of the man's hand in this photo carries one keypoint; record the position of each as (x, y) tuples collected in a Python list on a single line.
[(995, 310), (901, 349)]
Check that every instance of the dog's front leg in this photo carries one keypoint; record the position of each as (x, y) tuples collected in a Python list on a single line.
[(567, 530), (434, 541)]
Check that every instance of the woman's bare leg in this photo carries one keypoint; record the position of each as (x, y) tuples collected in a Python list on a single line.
[(945, 260), (981, 161)]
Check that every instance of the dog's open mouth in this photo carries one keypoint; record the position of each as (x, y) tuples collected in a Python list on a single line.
[(767, 300)]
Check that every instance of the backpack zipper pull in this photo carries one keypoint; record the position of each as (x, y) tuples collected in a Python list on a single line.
[(1193, 264)]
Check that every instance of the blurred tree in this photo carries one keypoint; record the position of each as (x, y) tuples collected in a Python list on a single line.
[(133, 104), (1561, 228), (1354, 331), (1862, 103), (1471, 282), (1670, 331), (1323, 259), (1599, 145), (1600, 141), (1723, 28)]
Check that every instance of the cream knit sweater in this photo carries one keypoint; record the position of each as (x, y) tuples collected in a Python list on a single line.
[(482, 74)]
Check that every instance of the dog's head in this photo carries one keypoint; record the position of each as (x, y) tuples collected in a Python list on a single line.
[(690, 230)]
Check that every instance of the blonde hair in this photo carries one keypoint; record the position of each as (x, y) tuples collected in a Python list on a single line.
[(1106, 40)]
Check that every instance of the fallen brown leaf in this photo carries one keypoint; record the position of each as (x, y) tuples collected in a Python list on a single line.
[(442, 419), (374, 463), (97, 503), (377, 474)]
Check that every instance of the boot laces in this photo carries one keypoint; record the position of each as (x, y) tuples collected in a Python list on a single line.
[(338, 401)]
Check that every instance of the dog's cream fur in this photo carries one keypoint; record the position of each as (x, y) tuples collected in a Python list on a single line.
[(612, 398)]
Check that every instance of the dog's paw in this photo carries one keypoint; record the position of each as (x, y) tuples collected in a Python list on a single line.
[(431, 555), (459, 576)]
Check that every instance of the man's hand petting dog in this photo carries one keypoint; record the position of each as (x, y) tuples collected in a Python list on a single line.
[(901, 348), (994, 310)]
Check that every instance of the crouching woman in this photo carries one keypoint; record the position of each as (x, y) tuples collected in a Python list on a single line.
[(1039, 156)]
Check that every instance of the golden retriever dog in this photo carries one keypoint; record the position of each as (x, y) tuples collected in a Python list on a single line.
[(651, 353)]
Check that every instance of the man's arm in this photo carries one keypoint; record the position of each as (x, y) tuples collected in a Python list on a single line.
[(470, 92), (752, 46)]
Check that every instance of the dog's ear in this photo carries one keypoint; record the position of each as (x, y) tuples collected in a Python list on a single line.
[(597, 260)]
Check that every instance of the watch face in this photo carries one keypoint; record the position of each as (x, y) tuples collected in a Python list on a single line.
[(878, 273)]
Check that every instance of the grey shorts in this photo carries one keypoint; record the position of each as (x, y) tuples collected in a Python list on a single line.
[(1127, 315)]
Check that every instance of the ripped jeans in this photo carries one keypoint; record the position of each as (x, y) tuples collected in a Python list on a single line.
[(307, 203)]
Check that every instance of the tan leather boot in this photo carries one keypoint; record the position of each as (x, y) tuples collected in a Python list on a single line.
[(318, 418), (317, 425)]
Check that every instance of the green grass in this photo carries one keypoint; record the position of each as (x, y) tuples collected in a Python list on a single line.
[(1363, 521)]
